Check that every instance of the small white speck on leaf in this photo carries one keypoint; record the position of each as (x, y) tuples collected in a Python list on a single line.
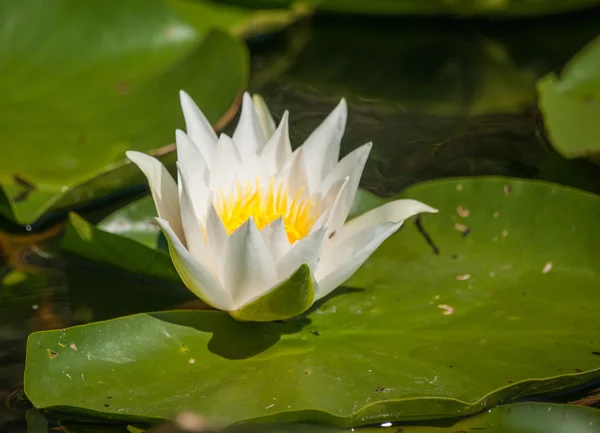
[(34, 307), (463, 277), (547, 268), (192, 361), (72, 346), (461, 227), (461, 211), (448, 310), (270, 406)]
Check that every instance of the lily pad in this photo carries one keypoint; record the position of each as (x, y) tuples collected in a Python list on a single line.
[(239, 20), (96, 88), (512, 418), (571, 104), (436, 7), (134, 221), (83, 239), (486, 302)]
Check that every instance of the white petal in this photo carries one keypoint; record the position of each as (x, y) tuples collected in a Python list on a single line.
[(395, 211), (198, 127), (190, 157), (216, 235), (278, 149), (250, 171), (348, 249), (350, 167), (322, 147), (248, 137), (226, 163), (163, 188), (342, 261), (297, 179), (331, 201), (248, 269), (304, 251), (276, 238), (193, 203), (195, 276), (264, 116)]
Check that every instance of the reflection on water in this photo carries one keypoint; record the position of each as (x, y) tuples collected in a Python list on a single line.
[(437, 98)]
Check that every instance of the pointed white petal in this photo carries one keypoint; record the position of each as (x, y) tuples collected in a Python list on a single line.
[(347, 250), (190, 157), (247, 268), (331, 202), (304, 251), (276, 238), (248, 137), (342, 261), (193, 203), (297, 179), (163, 188), (278, 149), (216, 235), (226, 163), (198, 127), (395, 211), (195, 276), (264, 116), (351, 167), (322, 147)]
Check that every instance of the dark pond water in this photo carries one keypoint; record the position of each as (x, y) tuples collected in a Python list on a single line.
[(438, 98)]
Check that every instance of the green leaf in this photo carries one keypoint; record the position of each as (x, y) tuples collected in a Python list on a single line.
[(92, 81), (502, 311), (134, 221), (85, 240), (512, 418), (241, 21), (289, 299), (36, 421), (434, 7), (571, 104)]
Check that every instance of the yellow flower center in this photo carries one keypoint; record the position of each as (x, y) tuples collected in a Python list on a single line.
[(265, 206)]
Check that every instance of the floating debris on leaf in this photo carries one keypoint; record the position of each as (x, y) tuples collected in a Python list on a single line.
[(462, 211), (547, 268), (448, 310), (463, 277)]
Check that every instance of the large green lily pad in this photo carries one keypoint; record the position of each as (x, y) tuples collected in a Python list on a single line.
[(571, 104), (488, 301), (82, 84)]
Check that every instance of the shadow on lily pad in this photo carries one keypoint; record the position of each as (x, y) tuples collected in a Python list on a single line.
[(232, 339)]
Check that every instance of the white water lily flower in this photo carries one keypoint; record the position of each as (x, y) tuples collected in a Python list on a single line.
[(256, 229)]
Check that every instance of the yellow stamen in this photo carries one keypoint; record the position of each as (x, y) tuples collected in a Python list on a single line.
[(265, 206)]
